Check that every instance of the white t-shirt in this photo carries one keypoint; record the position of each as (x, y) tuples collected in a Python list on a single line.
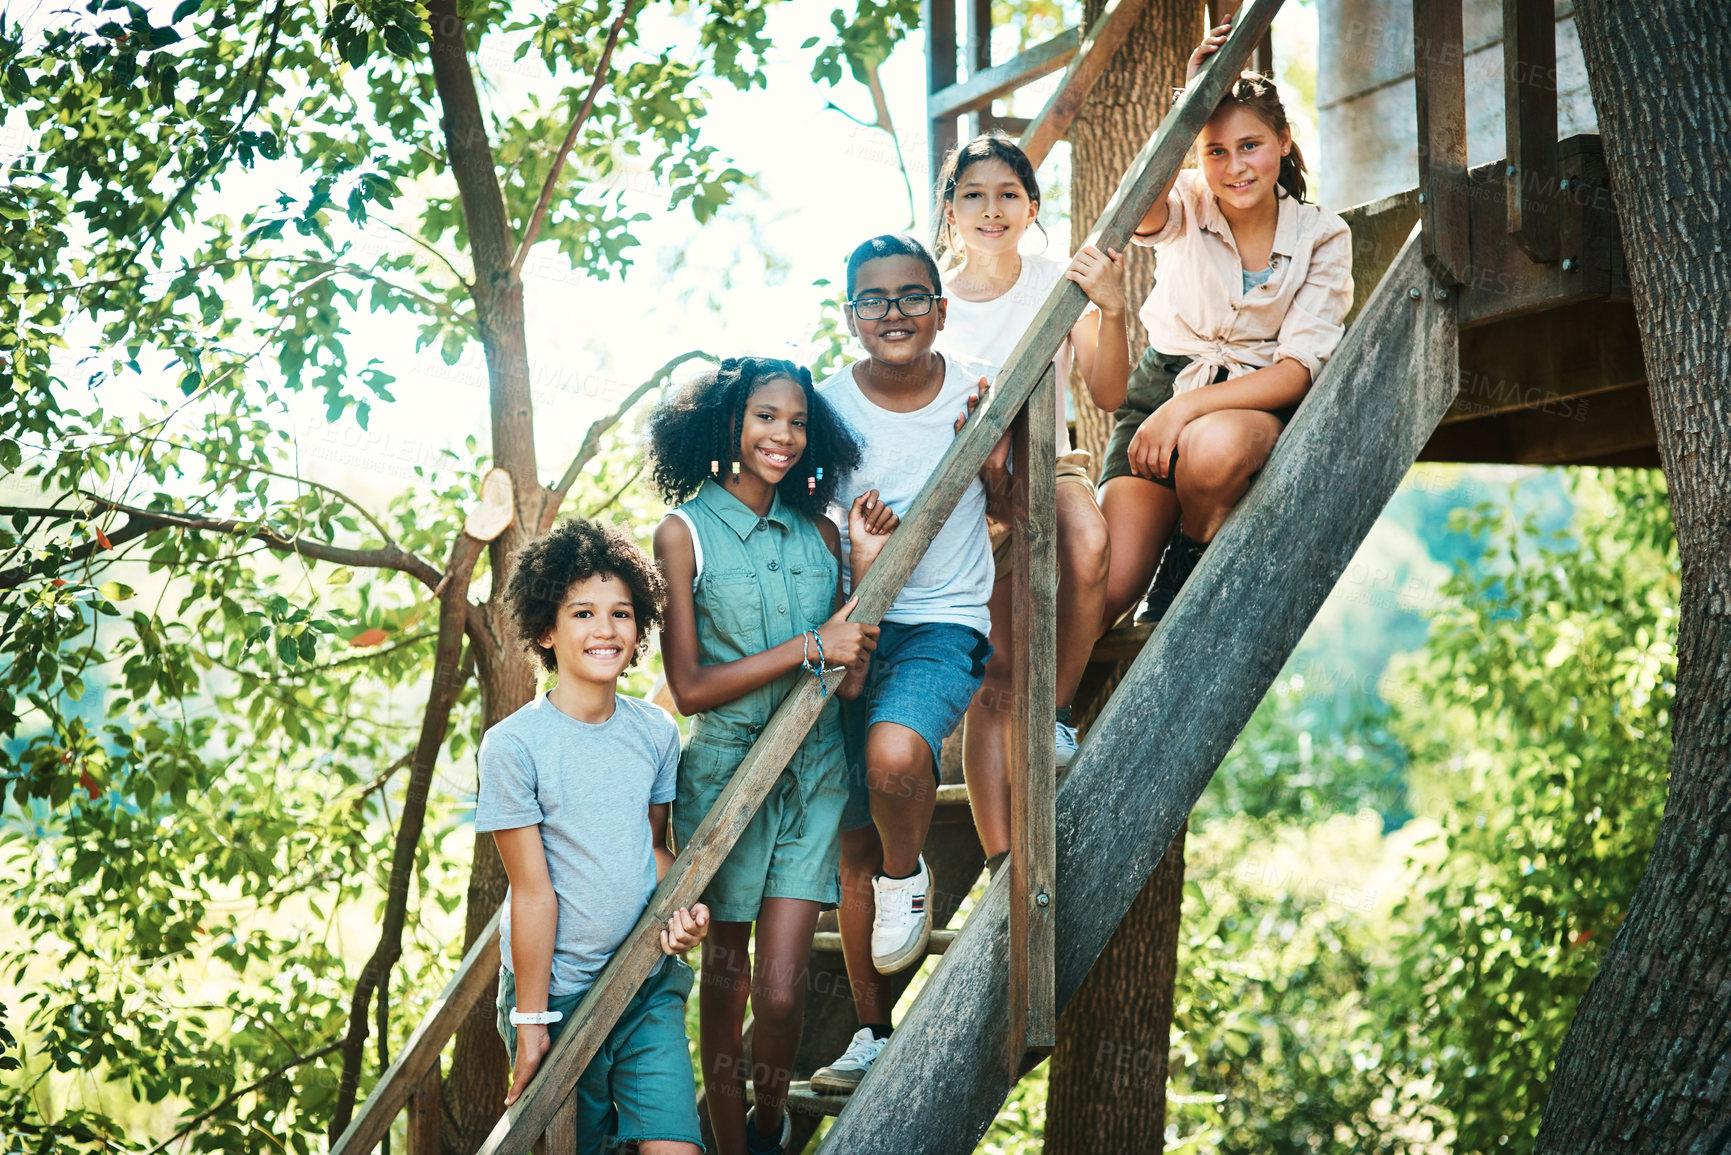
[(954, 579), (989, 330)]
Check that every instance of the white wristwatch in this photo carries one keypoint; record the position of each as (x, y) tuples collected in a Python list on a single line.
[(534, 1018)]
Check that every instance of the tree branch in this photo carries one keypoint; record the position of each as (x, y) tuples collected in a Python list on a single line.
[(450, 671), (592, 439), (533, 229), (205, 1116), (211, 159), (143, 521)]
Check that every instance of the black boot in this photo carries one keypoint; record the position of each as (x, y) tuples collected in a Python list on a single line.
[(1181, 556)]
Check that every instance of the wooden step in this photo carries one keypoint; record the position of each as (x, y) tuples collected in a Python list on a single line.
[(830, 940), (802, 1100), (956, 795)]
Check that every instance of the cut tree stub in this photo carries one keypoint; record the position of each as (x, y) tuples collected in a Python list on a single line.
[(498, 508)]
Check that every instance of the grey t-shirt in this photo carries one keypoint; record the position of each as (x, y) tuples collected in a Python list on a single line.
[(589, 787)]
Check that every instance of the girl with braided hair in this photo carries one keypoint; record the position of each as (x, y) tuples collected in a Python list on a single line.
[(750, 456)]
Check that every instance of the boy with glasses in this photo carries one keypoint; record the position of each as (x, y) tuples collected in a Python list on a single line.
[(902, 400)]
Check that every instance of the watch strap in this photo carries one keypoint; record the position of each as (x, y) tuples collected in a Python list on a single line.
[(534, 1018)]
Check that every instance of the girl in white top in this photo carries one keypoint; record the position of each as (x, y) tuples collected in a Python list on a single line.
[(989, 197), (1252, 289)]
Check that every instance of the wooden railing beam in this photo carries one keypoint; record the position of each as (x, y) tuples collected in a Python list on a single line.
[(476, 975), (979, 90), (1086, 67)]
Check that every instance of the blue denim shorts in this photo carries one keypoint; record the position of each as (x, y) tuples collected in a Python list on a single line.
[(639, 1085), (922, 676)]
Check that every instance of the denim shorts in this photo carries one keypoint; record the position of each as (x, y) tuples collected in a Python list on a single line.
[(639, 1085), (922, 676)]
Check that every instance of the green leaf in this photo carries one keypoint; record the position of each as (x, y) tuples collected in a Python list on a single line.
[(288, 649), (340, 577), (115, 591), (11, 457)]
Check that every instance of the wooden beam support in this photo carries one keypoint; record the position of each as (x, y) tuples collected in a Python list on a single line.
[(1576, 430), (979, 90), (1085, 69), (721, 827), (424, 1118), (561, 1134), (1439, 80), (1033, 701), (1195, 685), (1530, 120), (477, 975), (938, 18)]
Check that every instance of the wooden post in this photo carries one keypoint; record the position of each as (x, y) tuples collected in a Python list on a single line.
[(1033, 694), (938, 17), (561, 1134), (1439, 80), (424, 1115), (1530, 120), (1195, 684), (979, 58)]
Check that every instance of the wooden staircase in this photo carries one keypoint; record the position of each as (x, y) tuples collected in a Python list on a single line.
[(1164, 707)]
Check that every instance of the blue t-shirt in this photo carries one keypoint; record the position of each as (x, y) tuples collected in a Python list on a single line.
[(589, 787)]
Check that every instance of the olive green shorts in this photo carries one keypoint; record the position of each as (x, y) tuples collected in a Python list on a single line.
[(790, 849), (1150, 387)]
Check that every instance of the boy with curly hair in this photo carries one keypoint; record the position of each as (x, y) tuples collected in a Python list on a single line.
[(575, 787)]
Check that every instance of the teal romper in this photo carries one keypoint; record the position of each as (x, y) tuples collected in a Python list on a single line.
[(762, 581)]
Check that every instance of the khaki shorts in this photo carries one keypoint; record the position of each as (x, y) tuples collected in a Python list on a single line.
[(1072, 468)]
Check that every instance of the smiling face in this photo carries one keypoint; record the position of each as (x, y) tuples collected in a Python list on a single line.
[(1241, 158), (990, 209), (594, 636), (896, 340), (773, 431)]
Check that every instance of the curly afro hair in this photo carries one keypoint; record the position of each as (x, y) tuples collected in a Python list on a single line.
[(547, 567), (702, 423)]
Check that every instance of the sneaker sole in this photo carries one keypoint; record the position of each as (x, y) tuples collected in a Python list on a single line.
[(834, 1084), (910, 954), (1062, 761)]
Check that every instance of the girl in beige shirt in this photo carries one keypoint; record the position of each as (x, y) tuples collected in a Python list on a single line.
[(1248, 303)]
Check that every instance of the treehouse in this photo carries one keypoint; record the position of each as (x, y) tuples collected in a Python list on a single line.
[(1493, 324)]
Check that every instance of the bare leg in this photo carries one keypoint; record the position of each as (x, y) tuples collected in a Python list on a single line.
[(903, 793), (1219, 456), (1084, 565), (862, 856), (986, 739), (784, 930), (725, 985), (1139, 518)]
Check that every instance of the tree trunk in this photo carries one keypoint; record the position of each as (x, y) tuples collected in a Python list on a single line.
[(1108, 1081), (1644, 1065), (474, 1090), (1107, 1087)]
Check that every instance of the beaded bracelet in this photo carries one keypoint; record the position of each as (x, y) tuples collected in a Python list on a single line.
[(818, 669)]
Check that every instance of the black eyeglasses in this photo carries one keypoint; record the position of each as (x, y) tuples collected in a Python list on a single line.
[(877, 308)]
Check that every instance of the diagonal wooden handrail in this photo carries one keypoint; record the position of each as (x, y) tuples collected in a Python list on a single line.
[(1158, 161), (477, 975)]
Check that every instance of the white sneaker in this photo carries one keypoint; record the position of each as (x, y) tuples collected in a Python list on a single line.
[(1065, 743), (843, 1075), (903, 924)]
